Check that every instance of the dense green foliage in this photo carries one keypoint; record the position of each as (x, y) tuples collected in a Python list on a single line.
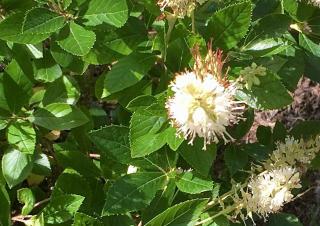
[(83, 86)]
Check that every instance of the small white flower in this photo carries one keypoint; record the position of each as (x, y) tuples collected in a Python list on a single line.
[(132, 169), (313, 2), (202, 105)]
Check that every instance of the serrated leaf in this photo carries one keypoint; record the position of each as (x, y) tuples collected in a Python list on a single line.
[(59, 116), (127, 72), (200, 160), (235, 159), (133, 192), (42, 21), (106, 11), (11, 30), (185, 213), (113, 141), (145, 134), (192, 184), (173, 139), (16, 166), (79, 162), (26, 197), (270, 94), (63, 90), (76, 40), (22, 135), (81, 219), (62, 208), (141, 102), (309, 45), (229, 25)]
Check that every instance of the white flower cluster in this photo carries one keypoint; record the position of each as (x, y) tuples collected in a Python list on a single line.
[(180, 8), (293, 152), (249, 75), (202, 104), (270, 190)]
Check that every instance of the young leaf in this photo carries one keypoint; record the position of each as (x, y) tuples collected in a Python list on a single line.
[(229, 25), (185, 213), (192, 184), (59, 116), (16, 166), (62, 208), (106, 11), (22, 135), (26, 197), (76, 40), (133, 192)]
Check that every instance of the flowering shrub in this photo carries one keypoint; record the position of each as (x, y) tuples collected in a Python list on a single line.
[(121, 113)]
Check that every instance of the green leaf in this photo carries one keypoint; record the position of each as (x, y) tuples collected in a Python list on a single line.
[(229, 25), (81, 219), (192, 184), (283, 219), (133, 192), (5, 213), (42, 21), (145, 131), (63, 90), (185, 213), (47, 69), (106, 11), (127, 72), (22, 135), (26, 197), (141, 102), (16, 166), (200, 160), (309, 45), (59, 116), (235, 159), (11, 30), (79, 162), (62, 208), (270, 94), (65, 185), (76, 40), (41, 165), (306, 129), (173, 140), (113, 141)]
